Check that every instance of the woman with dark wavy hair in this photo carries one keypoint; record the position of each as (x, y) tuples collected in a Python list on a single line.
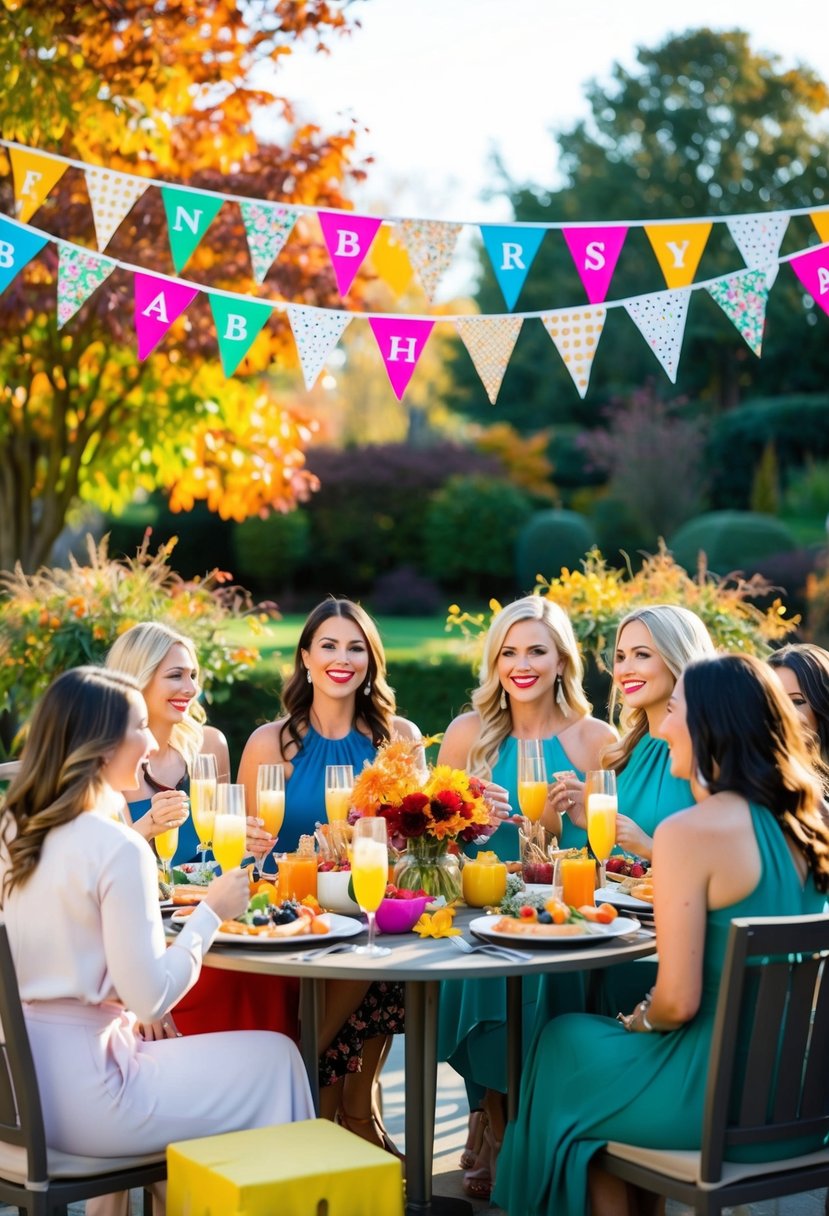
[(803, 670), (754, 844)]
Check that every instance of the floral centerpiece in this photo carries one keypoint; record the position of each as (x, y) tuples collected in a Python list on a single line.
[(426, 810)]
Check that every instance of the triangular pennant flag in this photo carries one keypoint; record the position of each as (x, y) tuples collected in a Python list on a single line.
[(431, 245), (316, 332), (758, 238), (490, 341), (595, 251), (79, 274), (660, 318), (576, 334), (348, 238), (390, 260), (820, 219), (812, 269), (158, 302), (401, 341), (189, 214), (743, 298), (17, 247), (267, 228), (238, 321), (34, 177), (678, 249), (112, 195), (511, 250)]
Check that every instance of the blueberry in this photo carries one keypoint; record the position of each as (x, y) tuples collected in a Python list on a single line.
[(544, 918), (259, 919)]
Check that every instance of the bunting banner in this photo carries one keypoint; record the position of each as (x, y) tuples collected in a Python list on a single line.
[(348, 238), (390, 261), (238, 323), (758, 238), (79, 274), (743, 298), (490, 342), (431, 245), (678, 249), (820, 219), (34, 176), (189, 214), (812, 269), (267, 228), (576, 336), (316, 332), (112, 196), (17, 248), (511, 251), (401, 341), (660, 318), (158, 302), (595, 252)]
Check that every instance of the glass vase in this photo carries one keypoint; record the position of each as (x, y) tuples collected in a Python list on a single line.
[(428, 865)]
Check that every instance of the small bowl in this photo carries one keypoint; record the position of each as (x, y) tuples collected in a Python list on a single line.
[(332, 892), (400, 915)]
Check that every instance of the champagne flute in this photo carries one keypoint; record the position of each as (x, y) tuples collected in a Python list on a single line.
[(229, 826), (166, 844), (600, 804), (369, 874), (270, 802), (339, 784), (532, 779), (203, 782)]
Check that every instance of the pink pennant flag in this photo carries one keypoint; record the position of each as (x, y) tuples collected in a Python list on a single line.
[(812, 269), (595, 252), (348, 238), (158, 303), (401, 343)]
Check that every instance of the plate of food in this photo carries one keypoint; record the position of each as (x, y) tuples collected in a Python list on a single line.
[(271, 925), (575, 931), (625, 900)]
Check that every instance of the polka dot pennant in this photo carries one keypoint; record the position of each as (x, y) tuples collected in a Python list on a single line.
[(489, 341), (660, 318), (112, 196), (576, 334), (316, 334), (79, 274), (431, 245), (758, 238), (743, 298), (267, 228)]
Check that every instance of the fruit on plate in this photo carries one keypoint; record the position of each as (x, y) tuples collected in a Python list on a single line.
[(556, 919), (187, 893), (622, 866)]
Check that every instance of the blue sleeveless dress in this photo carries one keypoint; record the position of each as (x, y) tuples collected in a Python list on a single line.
[(188, 842), (590, 1081), (305, 790), (648, 793)]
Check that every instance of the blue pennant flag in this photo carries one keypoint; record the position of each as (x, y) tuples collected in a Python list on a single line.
[(511, 250), (17, 247)]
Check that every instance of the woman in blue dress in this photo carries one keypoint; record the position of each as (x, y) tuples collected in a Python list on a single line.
[(803, 670), (755, 844), (530, 687), (339, 708)]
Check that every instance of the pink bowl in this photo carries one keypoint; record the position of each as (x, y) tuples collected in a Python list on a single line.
[(400, 915)]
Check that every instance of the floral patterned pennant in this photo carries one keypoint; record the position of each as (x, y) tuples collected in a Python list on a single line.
[(576, 334), (431, 245), (267, 228), (490, 342), (316, 332), (79, 274), (112, 195), (758, 238), (660, 318), (743, 298)]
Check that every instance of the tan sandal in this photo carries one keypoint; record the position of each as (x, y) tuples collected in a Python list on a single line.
[(478, 1182), (352, 1124), (474, 1139)]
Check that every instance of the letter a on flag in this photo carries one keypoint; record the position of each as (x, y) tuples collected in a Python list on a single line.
[(158, 303)]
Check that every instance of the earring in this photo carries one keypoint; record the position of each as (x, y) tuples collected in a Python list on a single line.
[(367, 688), (308, 675), (561, 698), (502, 700)]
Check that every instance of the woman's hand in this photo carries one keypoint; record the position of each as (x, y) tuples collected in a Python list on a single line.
[(257, 841), (497, 799), (151, 1032), (631, 838), (566, 797), (168, 809), (228, 894)]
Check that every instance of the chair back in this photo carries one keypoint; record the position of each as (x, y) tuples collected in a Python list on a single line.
[(21, 1116), (768, 1080), (9, 769)]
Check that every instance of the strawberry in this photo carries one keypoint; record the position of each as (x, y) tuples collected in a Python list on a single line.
[(636, 870)]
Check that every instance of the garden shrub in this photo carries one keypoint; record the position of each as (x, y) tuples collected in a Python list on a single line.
[(202, 539), (807, 494), (268, 552), (471, 528), (730, 540), (550, 540), (618, 532), (404, 592)]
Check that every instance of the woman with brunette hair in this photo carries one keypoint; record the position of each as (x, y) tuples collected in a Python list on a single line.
[(803, 670), (755, 844), (339, 709), (80, 904)]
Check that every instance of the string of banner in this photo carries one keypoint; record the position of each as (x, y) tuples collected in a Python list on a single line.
[(398, 247)]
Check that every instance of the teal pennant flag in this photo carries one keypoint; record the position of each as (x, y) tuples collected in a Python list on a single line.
[(189, 214), (237, 324), (511, 250), (17, 247)]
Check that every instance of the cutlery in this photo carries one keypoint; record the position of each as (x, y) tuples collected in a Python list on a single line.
[(320, 951), (489, 948)]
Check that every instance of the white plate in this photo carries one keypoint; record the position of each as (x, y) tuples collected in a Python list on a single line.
[(339, 926), (165, 903), (482, 926), (622, 899)]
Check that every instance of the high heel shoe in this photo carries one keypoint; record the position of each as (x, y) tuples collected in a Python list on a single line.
[(369, 1123), (474, 1140), (478, 1182)]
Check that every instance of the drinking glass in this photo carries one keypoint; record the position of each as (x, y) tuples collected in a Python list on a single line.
[(270, 802), (369, 874), (166, 844), (532, 779), (203, 782), (339, 783), (558, 881), (600, 805), (229, 826)]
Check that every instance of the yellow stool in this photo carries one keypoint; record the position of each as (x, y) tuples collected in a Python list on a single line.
[(297, 1169)]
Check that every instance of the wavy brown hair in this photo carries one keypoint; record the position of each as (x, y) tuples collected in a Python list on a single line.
[(810, 666), (747, 738), (375, 710), (81, 717)]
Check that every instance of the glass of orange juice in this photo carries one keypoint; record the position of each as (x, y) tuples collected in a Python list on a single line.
[(270, 801), (532, 779), (339, 783), (600, 804), (370, 873), (166, 844), (578, 880), (297, 875), (229, 826), (203, 782)]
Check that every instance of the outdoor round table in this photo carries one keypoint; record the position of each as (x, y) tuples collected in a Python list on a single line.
[(421, 964)]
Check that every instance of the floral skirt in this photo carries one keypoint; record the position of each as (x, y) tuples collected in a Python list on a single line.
[(381, 1012)]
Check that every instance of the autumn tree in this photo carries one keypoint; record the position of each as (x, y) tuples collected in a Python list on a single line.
[(179, 92)]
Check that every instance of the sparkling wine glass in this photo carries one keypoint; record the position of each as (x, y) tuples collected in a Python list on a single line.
[(270, 802), (532, 779), (339, 784), (229, 826), (369, 874), (600, 804), (203, 782)]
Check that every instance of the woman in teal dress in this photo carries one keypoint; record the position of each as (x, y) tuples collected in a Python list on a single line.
[(530, 688), (339, 708), (755, 844)]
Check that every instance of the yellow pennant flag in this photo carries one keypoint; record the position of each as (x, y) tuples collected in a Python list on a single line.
[(820, 219), (390, 260), (678, 249), (34, 177)]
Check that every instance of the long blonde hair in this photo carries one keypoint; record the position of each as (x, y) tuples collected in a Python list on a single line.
[(139, 653), (496, 723), (679, 636)]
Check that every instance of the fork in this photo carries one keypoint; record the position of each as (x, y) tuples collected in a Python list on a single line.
[(490, 948), (322, 951)]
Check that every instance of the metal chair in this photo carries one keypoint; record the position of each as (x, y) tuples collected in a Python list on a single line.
[(768, 1075), (9, 769), (36, 1179)]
